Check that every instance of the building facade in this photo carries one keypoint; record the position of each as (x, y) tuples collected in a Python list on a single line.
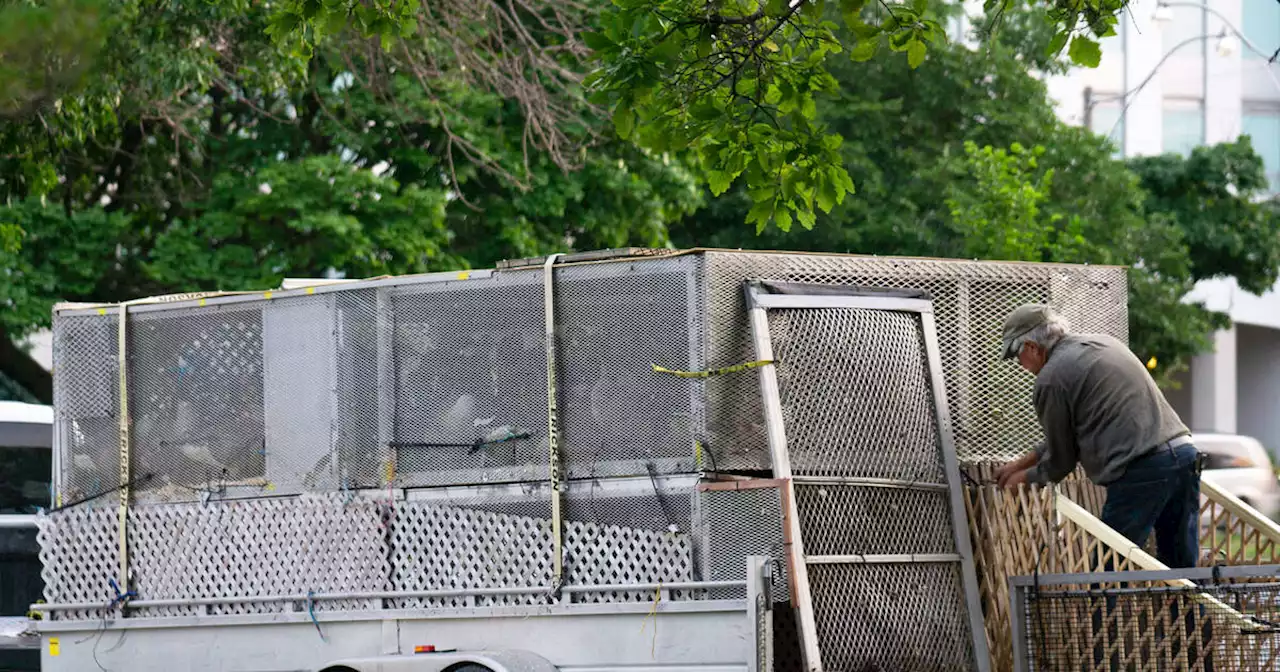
[(1178, 75)]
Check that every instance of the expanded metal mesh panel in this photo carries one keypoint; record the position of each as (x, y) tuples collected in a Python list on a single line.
[(740, 523), (851, 520), (855, 396), (615, 321), (196, 401), (1222, 627), (904, 617), (357, 402), (87, 404), (989, 416), (470, 360)]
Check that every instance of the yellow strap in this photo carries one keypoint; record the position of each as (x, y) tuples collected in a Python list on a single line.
[(714, 372), (123, 374)]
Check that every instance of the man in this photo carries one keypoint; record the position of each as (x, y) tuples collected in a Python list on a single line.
[(1099, 406)]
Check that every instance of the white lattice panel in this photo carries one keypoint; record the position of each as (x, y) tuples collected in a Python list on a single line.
[(258, 548), (447, 548), (604, 555), (79, 555)]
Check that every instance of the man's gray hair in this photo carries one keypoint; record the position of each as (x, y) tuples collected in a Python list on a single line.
[(1046, 335)]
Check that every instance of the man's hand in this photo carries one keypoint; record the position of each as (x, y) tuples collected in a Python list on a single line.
[(1019, 465), (1013, 479)]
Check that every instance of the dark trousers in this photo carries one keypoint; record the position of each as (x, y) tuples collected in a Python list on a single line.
[(1159, 492)]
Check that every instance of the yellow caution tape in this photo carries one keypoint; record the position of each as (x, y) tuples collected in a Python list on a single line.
[(714, 372)]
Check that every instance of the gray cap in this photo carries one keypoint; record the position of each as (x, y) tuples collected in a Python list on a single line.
[(1022, 320)]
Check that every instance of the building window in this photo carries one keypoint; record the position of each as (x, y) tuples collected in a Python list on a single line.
[(1263, 129), (1105, 119), (1185, 32), (1183, 128), (1260, 23)]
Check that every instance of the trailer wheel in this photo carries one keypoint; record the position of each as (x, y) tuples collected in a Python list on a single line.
[(340, 668), (467, 667)]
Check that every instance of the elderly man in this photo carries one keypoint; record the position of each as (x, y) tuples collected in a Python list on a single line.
[(1099, 407)]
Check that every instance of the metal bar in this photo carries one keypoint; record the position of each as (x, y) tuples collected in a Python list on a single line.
[(17, 522), (1018, 626), (777, 436), (1189, 574), (392, 595), (555, 467), (959, 517), (1157, 590), (227, 298), (735, 607), (861, 302), (752, 484), (758, 615), (881, 559), (869, 482)]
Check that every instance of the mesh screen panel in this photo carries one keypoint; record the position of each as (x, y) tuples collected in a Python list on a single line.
[(843, 520), (356, 394), (741, 523), (196, 400), (614, 323), (842, 417), (87, 405), (469, 360), (1150, 629), (990, 420), (878, 617)]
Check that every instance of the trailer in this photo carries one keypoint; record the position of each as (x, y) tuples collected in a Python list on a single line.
[(631, 459)]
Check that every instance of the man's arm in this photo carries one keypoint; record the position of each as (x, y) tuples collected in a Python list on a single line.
[(1060, 452)]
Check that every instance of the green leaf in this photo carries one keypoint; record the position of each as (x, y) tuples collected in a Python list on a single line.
[(807, 218), (915, 54), (719, 181), (1058, 42), (783, 219), (864, 50), (624, 119), (1085, 51), (827, 194), (597, 41)]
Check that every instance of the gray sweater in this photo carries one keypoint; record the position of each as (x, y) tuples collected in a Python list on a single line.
[(1099, 406)]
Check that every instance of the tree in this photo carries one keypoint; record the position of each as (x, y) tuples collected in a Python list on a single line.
[(965, 158), (205, 155), (736, 83)]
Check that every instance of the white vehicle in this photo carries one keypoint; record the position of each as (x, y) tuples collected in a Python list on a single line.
[(26, 437), (1243, 467)]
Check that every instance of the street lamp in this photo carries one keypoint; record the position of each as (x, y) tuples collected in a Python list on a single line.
[(1228, 43)]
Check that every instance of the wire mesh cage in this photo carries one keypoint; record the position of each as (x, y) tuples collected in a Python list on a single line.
[(430, 394)]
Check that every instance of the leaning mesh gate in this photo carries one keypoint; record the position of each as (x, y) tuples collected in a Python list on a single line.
[(852, 447)]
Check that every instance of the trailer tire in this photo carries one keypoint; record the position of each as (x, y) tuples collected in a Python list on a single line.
[(467, 667), (340, 668)]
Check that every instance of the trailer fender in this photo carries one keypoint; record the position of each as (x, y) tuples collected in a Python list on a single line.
[(446, 661)]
